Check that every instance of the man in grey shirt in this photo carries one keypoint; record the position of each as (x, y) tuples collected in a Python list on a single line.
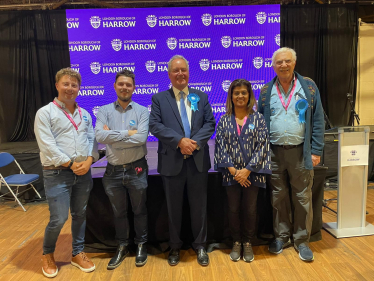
[(123, 127)]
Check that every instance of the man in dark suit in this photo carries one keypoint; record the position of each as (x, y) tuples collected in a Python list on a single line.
[(182, 120)]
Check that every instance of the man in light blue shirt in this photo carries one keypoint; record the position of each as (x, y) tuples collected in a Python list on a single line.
[(123, 127), (67, 146), (292, 108)]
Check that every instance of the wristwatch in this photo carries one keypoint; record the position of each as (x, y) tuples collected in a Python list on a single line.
[(71, 163)]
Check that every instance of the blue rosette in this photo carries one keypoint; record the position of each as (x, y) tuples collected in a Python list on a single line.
[(194, 100), (301, 106)]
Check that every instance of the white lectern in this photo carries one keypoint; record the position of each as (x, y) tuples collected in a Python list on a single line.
[(353, 160)]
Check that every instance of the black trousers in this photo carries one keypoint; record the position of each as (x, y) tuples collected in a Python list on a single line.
[(242, 212), (196, 184)]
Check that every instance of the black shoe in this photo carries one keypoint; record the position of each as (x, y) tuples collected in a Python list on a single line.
[(202, 257), (174, 257), (141, 255), (121, 254)]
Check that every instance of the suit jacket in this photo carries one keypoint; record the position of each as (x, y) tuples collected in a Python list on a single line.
[(166, 124)]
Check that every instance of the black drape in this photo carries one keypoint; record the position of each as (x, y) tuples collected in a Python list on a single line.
[(34, 46), (325, 40)]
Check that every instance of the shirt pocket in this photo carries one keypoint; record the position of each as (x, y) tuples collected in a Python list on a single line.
[(274, 108)]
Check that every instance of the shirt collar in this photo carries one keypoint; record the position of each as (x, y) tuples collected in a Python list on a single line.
[(62, 104), (291, 85), (116, 103), (177, 92)]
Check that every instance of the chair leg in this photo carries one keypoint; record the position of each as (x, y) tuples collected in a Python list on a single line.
[(35, 191), (19, 203), (16, 193)]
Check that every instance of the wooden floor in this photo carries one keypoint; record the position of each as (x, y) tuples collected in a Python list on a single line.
[(21, 237)]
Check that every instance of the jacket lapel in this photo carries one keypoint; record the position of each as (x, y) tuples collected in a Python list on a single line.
[(173, 103)]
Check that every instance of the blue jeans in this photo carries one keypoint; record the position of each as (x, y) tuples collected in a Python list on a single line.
[(119, 181), (64, 189)]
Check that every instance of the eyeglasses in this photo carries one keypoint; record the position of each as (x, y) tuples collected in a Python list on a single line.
[(280, 62)]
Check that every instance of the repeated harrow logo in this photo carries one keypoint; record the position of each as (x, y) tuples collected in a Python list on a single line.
[(172, 43), (95, 21), (206, 19), (116, 44), (95, 110), (204, 64), (91, 91), (72, 22), (150, 66), (95, 67), (277, 39), (226, 64), (226, 85), (226, 41), (219, 108), (146, 89), (258, 62), (261, 17), (151, 20)]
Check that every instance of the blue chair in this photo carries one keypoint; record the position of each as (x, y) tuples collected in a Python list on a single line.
[(17, 180)]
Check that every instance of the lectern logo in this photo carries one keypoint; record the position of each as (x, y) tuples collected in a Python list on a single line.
[(278, 39), (261, 17), (206, 19), (226, 41), (204, 64), (226, 85), (116, 44), (95, 21), (172, 43), (151, 20), (95, 67), (150, 66), (353, 152), (257, 62)]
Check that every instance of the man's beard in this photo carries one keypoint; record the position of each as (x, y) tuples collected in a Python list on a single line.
[(126, 98)]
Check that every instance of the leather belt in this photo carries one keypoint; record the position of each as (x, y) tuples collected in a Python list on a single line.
[(287, 147), (55, 168), (131, 164), (186, 156)]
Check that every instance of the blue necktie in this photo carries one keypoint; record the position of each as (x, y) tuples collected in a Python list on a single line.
[(186, 124)]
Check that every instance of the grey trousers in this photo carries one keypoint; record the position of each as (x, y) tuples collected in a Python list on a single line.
[(289, 173)]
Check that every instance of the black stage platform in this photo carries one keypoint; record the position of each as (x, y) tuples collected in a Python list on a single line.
[(100, 229)]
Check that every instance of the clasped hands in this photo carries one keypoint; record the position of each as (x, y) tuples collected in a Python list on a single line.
[(81, 168), (187, 146), (241, 176)]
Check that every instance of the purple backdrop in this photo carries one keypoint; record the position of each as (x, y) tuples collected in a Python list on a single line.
[(221, 44)]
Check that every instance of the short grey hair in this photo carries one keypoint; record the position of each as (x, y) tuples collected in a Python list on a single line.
[(177, 57), (283, 50)]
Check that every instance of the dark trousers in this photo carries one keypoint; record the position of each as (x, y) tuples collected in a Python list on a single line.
[(242, 212), (289, 173), (196, 184), (119, 182)]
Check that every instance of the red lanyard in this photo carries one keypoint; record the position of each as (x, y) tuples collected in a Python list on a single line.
[(289, 98), (68, 116), (237, 125)]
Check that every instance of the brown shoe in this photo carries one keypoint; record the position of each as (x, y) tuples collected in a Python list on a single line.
[(49, 267), (83, 262)]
